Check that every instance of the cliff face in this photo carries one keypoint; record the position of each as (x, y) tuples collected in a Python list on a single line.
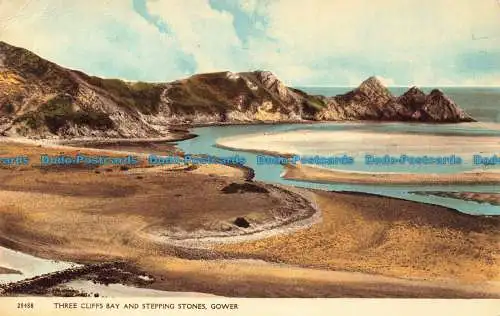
[(40, 98), (234, 97), (372, 101)]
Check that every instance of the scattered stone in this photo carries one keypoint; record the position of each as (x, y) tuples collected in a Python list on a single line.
[(191, 168), (241, 222)]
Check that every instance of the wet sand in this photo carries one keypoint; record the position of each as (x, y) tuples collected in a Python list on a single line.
[(250, 279), (387, 236), (8, 271), (109, 212), (323, 175), (88, 217), (491, 198), (359, 143), (327, 143), (27, 266), (119, 290)]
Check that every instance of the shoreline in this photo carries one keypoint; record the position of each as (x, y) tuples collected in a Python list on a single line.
[(323, 175), (111, 141), (318, 174), (102, 279), (4, 270), (185, 134), (222, 124), (171, 263), (255, 151), (303, 220), (482, 198), (369, 233)]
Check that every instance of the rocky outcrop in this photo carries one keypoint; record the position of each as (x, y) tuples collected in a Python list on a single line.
[(440, 108), (370, 101), (373, 101), (414, 98), (232, 97), (41, 99)]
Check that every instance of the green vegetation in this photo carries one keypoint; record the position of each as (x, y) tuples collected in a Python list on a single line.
[(141, 96), (30, 119), (315, 103), (312, 104), (58, 111), (37, 68), (28, 62)]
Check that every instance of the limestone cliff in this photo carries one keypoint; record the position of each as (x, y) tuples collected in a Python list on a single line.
[(372, 101), (41, 99)]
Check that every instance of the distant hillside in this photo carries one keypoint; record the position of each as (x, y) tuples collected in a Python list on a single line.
[(39, 99)]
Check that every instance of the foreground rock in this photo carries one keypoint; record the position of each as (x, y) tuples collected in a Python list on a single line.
[(103, 273), (40, 98)]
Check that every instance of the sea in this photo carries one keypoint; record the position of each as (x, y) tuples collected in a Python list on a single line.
[(482, 103)]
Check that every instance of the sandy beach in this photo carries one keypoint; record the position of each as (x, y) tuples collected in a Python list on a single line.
[(209, 150), (361, 246), (373, 234), (356, 143), (491, 198), (323, 175)]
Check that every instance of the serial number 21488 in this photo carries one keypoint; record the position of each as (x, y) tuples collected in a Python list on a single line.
[(25, 305)]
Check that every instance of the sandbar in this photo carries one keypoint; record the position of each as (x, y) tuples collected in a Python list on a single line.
[(323, 175), (8, 271)]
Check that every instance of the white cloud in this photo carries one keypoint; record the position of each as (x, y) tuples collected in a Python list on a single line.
[(417, 38), (374, 27), (205, 33), (313, 42), (104, 38), (388, 82)]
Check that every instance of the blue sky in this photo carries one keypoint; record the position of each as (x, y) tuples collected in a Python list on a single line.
[(306, 43)]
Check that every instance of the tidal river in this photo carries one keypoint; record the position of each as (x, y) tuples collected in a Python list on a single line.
[(205, 144), (206, 141)]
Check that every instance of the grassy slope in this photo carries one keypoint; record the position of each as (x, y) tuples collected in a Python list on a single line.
[(207, 94)]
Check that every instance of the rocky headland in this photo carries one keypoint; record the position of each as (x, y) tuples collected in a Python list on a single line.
[(39, 98)]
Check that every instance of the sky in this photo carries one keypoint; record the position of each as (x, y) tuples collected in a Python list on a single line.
[(305, 43)]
